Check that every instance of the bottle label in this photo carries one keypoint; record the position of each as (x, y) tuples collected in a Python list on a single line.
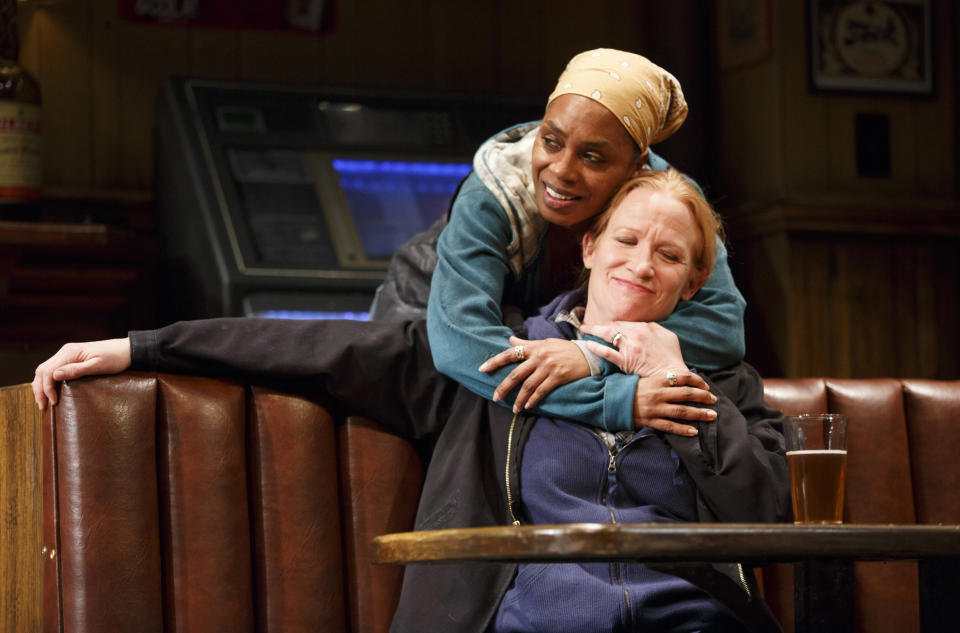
[(20, 158)]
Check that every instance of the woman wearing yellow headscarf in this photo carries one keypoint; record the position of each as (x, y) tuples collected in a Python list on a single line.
[(510, 245)]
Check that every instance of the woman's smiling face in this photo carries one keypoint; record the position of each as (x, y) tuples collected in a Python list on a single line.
[(642, 264), (581, 156)]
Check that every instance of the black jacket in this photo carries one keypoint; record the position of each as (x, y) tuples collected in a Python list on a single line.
[(737, 461)]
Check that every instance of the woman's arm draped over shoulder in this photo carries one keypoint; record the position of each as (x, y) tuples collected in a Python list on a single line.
[(465, 322), (738, 461), (710, 325), (381, 370)]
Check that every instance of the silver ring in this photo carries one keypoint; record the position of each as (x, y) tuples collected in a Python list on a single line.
[(617, 337), (672, 378), (518, 350)]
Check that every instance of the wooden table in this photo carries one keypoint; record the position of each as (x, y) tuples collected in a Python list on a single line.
[(823, 555)]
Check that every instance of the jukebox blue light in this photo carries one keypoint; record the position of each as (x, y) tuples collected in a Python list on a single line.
[(391, 200), (411, 168), (311, 315)]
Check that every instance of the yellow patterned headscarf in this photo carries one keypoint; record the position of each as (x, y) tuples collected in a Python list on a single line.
[(646, 99)]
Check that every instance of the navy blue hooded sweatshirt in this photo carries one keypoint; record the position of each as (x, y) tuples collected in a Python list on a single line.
[(571, 473)]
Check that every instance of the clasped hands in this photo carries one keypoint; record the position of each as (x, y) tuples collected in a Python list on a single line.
[(646, 349)]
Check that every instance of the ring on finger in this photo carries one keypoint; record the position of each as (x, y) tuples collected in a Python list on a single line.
[(518, 350), (617, 337), (672, 378)]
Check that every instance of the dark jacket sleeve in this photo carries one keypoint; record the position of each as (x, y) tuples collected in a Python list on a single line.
[(380, 370), (738, 461)]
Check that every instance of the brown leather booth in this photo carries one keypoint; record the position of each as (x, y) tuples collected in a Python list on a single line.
[(902, 467), (179, 503)]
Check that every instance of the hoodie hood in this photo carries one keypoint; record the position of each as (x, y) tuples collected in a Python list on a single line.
[(504, 165)]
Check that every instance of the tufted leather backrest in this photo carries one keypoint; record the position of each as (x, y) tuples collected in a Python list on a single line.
[(382, 476), (178, 503), (191, 504), (933, 411)]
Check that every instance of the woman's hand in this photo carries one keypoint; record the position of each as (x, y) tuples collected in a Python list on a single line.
[(544, 366), (660, 401), (79, 359), (646, 349), (666, 387)]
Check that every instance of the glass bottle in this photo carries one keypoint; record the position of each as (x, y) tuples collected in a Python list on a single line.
[(20, 147)]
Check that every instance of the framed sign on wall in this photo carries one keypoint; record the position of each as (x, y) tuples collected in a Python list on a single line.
[(871, 46), (743, 32)]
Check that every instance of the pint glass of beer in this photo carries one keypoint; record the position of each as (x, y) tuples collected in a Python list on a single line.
[(817, 456)]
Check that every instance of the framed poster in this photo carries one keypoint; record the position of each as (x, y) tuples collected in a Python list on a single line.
[(871, 46)]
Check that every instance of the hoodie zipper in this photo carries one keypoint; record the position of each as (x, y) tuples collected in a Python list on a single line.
[(611, 468), (743, 581), (613, 452), (506, 475)]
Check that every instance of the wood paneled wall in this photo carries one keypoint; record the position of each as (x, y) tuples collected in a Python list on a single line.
[(100, 75), (860, 291), (778, 138), (844, 275)]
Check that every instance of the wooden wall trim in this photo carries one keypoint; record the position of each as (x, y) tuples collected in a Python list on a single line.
[(914, 217)]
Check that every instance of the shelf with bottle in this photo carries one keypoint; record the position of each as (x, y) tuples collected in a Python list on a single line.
[(21, 169)]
